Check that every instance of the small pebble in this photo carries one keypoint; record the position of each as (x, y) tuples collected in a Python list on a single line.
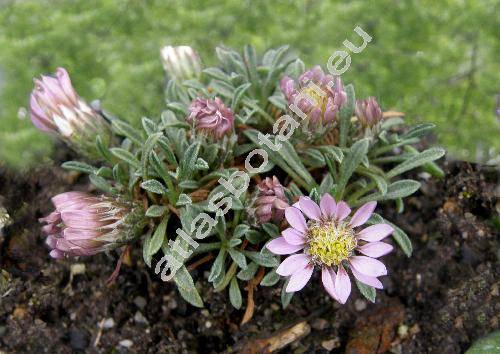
[(418, 278), (140, 319), (72, 316), (108, 323), (208, 324), (77, 268), (320, 324), (330, 344), (424, 175), (127, 343), (403, 331), (359, 305), (172, 304), (140, 302), (78, 340)]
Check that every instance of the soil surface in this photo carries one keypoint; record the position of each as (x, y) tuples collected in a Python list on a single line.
[(438, 301)]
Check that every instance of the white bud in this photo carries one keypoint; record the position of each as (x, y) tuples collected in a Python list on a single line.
[(181, 63)]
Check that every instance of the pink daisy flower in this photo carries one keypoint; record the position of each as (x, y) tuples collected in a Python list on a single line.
[(330, 240)]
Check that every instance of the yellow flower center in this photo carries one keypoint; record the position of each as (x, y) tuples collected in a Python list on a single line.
[(317, 100), (331, 243)]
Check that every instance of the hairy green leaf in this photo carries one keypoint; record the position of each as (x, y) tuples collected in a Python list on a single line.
[(417, 160), (79, 166), (126, 156), (235, 294), (154, 186), (366, 290), (125, 129)]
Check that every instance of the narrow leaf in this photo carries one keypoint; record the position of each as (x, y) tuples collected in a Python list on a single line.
[(366, 290), (154, 186), (126, 156), (235, 294), (351, 161), (158, 237), (125, 129), (79, 166), (238, 257), (270, 279), (155, 211), (420, 159)]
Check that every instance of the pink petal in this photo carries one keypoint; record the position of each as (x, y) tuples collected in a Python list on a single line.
[(62, 198), (39, 118), (310, 208), (65, 82), (50, 229), (55, 90), (328, 205), (372, 281), (375, 232), (375, 249), (328, 279), (368, 266), (296, 219), (82, 219), (342, 211), (342, 285), (362, 214), (293, 237), (299, 279), (51, 241), (81, 234), (292, 264), (56, 254), (54, 217), (280, 246)]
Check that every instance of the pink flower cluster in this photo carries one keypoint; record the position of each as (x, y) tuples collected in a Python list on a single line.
[(321, 96)]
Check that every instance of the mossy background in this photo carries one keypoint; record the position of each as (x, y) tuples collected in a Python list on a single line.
[(435, 60)]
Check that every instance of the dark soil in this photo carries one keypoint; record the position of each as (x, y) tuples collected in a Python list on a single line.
[(438, 301)]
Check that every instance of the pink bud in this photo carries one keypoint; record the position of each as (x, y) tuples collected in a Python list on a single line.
[(271, 201), (211, 116), (55, 108), (83, 224), (368, 112)]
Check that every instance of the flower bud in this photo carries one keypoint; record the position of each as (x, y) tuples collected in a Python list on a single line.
[(368, 112), (271, 201), (56, 108), (181, 63), (314, 95), (83, 224), (211, 117)]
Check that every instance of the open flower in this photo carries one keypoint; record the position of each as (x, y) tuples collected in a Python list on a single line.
[(330, 240), (83, 224), (271, 201), (211, 117), (368, 112), (56, 108), (317, 95), (181, 63)]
